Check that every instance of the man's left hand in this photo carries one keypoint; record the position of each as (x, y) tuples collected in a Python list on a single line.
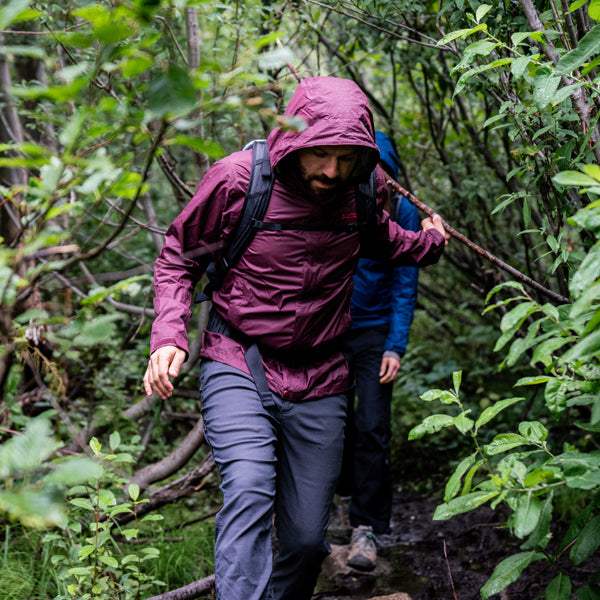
[(389, 369)]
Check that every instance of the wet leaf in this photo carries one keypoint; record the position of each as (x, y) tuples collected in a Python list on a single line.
[(508, 571), (504, 442), (462, 504), (527, 515), (491, 411), (587, 541), (587, 47), (559, 588), (430, 424)]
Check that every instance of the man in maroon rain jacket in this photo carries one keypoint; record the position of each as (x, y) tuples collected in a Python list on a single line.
[(289, 294)]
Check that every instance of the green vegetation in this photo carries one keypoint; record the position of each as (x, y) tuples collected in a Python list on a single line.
[(111, 113)]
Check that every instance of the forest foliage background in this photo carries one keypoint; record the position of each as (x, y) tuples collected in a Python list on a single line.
[(111, 112)]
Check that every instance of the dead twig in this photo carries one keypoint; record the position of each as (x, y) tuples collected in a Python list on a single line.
[(449, 571), (478, 249), (189, 592)]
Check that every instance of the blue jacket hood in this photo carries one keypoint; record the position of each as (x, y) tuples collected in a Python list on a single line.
[(387, 153)]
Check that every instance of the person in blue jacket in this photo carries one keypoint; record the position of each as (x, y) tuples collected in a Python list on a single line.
[(382, 308)]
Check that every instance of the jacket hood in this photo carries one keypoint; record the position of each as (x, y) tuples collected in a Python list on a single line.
[(387, 154), (336, 113)]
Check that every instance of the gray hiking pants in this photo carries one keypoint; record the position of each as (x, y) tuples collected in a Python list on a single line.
[(283, 460)]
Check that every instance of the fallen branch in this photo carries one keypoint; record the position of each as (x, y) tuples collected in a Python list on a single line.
[(184, 487), (478, 249), (189, 592), (177, 459)]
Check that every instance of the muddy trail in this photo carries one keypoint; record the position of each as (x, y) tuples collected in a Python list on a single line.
[(422, 559)]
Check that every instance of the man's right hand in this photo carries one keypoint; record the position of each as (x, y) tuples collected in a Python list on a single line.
[(164, 363), (436, 222)]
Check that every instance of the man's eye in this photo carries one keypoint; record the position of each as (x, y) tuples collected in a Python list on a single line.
[(318, 152)]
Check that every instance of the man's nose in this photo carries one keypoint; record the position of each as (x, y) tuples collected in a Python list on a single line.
[(331, 167)]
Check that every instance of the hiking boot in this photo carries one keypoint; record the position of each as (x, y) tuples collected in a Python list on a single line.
[(363, 549)]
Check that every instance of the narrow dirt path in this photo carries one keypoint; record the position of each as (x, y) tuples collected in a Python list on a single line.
[(422, 559)]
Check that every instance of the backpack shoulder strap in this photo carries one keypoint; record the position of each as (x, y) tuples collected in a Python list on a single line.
[(255, 206), (366, 200)]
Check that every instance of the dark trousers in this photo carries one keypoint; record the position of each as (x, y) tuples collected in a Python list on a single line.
[(283, 459), (366, 472)]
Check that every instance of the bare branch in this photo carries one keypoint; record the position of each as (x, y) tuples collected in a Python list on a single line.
[(478, 249), (189, 592), (172, 463)]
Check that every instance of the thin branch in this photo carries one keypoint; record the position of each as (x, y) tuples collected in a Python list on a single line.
[(388, 32), (478, 249), (189, 592)]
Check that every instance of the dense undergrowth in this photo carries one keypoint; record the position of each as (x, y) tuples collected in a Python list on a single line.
[(111, 113)]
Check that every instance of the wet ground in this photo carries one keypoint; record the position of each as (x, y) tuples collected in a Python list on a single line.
[(422, 559)]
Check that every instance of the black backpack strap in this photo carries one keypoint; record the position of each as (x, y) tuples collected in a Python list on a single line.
[(254, 209), (255, 204), (366, 200)]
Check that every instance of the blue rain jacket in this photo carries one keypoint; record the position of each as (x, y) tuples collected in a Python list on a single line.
[(383, 294)]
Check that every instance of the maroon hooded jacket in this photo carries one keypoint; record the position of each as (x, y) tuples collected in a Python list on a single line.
[(290, 291)]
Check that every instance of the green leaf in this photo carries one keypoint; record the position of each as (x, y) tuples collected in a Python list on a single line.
[(543, 353), (588, 592), (491, 411), (504, 442), (519, 36), (453, 35), (508, 571), (82, 503), (26, 452), (587, 541), (568, 178), (587, 273), (594, 10), (453, 484), (97, 331), (267, 39), (95, 446), (586, 481), (587, 46), (541, 536), (208, 147), (527, 515), (559, 588), (444, 396), (513, 319), (577, 4), (114, 441), (34, 508), (469, 478), (76, 469), (533, 431), (130, 533), (134, 491), (535, 380), (456, 380), (592, 171), (430, 424), (462, 504), (462, 422), (545, 86), (12, 12), (555, 395), (482, 10), (584, 350), (477, 70), (171, 92), (111, 561)]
